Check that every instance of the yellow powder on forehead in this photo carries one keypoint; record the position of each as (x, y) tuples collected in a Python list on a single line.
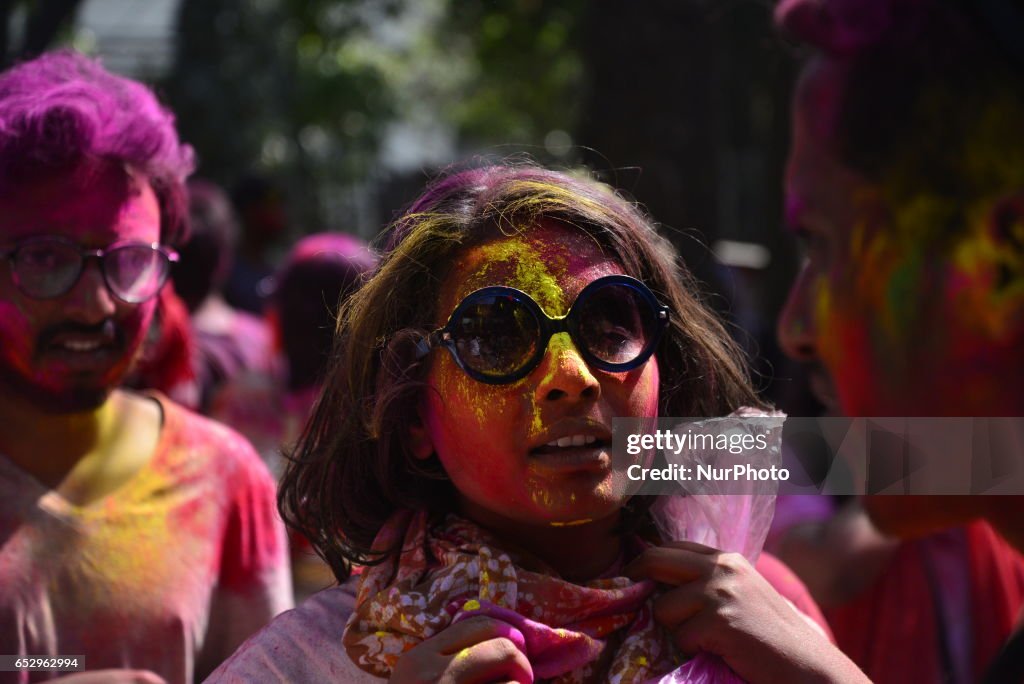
[(533, 272)]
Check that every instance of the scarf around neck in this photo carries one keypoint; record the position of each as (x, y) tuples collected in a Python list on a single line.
[(600, 631)]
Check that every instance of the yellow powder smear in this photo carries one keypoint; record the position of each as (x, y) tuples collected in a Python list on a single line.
[(531, 273), (572, 523)]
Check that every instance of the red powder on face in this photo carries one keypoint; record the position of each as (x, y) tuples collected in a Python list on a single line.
[(93, 210), (491, 438)]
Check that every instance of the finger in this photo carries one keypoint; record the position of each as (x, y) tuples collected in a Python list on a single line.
[(690, 635), (670, 566), (494, 660), (472, 631), (675, 607), (691, 546)]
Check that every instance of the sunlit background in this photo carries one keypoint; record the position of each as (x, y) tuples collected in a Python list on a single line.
[(350, 105)]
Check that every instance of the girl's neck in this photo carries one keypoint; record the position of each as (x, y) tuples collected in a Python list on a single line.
[(577, 552)]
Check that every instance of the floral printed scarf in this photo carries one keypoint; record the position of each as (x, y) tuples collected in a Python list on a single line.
[(602, 631)]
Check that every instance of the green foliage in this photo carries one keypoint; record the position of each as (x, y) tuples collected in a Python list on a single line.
[(528, 69), (308, 89)]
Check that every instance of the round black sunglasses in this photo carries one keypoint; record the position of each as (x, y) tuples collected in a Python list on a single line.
[(498, 334)]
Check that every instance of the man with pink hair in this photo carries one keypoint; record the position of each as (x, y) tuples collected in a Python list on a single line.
[(133, 534), (905, 183)]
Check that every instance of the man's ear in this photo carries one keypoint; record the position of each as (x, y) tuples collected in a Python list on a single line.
[(273, 321), (1006, 228)]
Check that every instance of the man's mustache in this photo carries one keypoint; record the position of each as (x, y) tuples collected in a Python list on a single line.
[(108, 330)]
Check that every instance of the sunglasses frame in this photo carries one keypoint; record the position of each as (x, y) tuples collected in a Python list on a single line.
[(11, 254), (548, 327)]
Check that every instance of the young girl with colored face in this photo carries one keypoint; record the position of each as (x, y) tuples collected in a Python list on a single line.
[(460, 454)]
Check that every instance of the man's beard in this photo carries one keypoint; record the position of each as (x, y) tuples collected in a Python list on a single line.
[(69, 399), (71, 395)]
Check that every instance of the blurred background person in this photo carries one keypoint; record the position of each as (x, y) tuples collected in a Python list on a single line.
[(260, 206), (166, 360), (227, 341), (270, 407), (903, 183), (134, 532)]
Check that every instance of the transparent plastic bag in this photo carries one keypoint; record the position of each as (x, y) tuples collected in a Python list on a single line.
[(727, 515)]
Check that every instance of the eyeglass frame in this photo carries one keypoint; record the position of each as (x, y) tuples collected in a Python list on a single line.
[(549, 327), (10, 254)]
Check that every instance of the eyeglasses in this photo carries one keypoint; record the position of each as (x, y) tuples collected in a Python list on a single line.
[(498, 335), (48, 267)]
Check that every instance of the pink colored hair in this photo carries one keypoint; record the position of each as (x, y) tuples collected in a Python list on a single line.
[(62, 111)]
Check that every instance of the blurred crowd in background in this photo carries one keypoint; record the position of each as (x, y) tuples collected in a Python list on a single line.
[(314, 123)]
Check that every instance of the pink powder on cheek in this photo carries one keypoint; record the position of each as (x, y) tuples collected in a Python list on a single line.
[(635, 393), (16, 336), (648, 389), (849, 352)]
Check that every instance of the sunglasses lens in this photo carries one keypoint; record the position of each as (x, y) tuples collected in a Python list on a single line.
[(136, 272), (617, 323), (47, 269), (495, 335)]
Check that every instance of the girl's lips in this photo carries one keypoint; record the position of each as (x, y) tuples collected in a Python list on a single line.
[(572, 432), (566, 444), (596, 457)]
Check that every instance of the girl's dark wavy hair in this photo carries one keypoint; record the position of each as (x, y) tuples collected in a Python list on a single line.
[(352, 467)]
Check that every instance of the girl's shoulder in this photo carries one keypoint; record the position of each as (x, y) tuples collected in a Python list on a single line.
[(300, 645)]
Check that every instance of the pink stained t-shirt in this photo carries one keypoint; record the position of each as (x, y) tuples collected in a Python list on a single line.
[(169, 573)]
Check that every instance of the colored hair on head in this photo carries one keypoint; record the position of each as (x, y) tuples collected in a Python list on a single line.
[(930, 102), (319, 272), (63, 112), (206, 258), (353, 466)]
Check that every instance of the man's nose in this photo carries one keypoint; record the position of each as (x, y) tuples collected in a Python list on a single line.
[(797, 328), (90, 301)]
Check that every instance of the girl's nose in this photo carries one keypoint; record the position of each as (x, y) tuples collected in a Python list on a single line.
[(565, 375)]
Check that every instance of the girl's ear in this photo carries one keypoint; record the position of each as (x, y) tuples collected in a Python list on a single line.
[(419, 439)]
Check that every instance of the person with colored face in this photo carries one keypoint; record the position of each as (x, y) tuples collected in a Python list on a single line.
[(904, 183), (460, 451), (136, 535)]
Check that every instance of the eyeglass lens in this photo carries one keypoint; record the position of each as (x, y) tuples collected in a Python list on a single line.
[(47, 269), (496, 335), (616, 323)]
